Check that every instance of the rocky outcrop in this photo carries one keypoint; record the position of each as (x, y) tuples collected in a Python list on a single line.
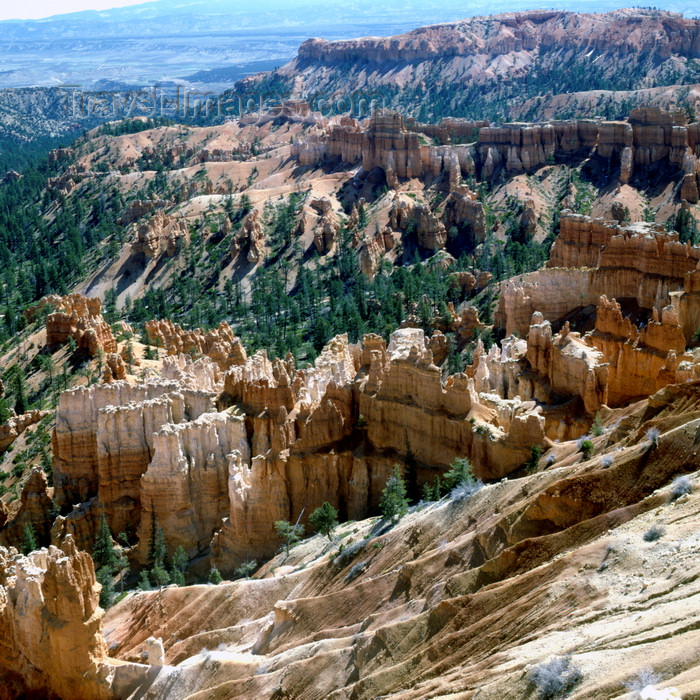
[(250, 235), (80, 318), (159, 234), (570, 366), (16, 425), (463, 217), (103, 433), (326, 226), (52, 642), (287, 442), (650, 136), (115, 368), (611, 365), (589, 258), (185, 486), (374, 245), (35, 508), (416, 218), (219, 344), (641, 359)]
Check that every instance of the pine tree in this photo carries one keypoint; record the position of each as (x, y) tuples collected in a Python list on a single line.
[(104, 578), (180, 560), (28, 539), (215, 577), (289, 533), (103, 553), (19, 389), (324, 520), (160, 575), (393, 503), (437, 488), (144, 581), (461, 472), (156, 549)]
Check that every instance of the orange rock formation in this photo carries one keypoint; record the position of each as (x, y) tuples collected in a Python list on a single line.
[(79, 317), (219, 344)]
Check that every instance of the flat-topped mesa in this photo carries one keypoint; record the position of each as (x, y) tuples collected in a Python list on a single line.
[(220, 344), (80, 318), (592, 258), (483, 39), (159, 234), (52, 643)]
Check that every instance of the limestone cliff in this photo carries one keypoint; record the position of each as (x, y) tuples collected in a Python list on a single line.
[(650, 137)]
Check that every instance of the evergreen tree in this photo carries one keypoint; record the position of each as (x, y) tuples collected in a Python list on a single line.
[(460, 472), (289, 534), (157, 549), (160, 575), (535, 455), (393, 503), (437, 488), (144, 581), (586, 449), (19, 389), (103, 553), (215, 577), (411, 475), (180, 561), (28, 539), (324, 520), (104, 578)]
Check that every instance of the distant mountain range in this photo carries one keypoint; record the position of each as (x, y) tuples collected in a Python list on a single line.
[(513, 65), (213, 42), (483, 67)]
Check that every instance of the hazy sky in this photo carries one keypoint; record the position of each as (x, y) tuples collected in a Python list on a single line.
[(34, 9)]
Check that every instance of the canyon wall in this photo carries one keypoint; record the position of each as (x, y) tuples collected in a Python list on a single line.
[(590, 257), (649, 137), (279, 442)]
